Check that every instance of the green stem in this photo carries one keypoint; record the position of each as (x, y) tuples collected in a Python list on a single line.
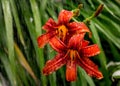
[(95, 14), (74, 19)]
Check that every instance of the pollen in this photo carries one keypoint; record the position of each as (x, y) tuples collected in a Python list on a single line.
[(62, 32)]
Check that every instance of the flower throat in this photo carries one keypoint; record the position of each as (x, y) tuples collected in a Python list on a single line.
[(62, 32)]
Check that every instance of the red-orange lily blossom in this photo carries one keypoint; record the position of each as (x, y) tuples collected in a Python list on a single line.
[(77, 52), (64, 29)]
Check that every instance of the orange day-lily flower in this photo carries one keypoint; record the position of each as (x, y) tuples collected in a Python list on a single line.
[(76, 52), (63, 29)]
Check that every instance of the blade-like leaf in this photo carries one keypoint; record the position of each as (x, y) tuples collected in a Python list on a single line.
[(17, 21), (108, 9), (6, 65), (24, 63), (51, 55), (31, 28), (88, 78), (9, 35), (108, 34), (36, 17)]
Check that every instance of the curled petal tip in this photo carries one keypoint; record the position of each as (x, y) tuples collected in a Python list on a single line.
[(40, 42), (97, 75), (100, 76)]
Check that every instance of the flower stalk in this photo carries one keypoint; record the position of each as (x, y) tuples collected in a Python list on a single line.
[(95, 14), (76, 12)]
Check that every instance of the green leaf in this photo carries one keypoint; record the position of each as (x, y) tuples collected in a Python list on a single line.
[(88, 78), (50, 54), (17, 21), (24, 63), (7, 67), (36, 17), (96, 39), (108, 9), (9, 34), (107, 33), (102, 57), (33, 34)]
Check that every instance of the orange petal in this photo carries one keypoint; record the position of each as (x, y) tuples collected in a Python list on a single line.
[(75, 41), (43, 39), (89, 51), (50, 25), (54, 64), (78, 27), (57, 45), (89, 62), (64, 17), (90, 68), (84, 43), (71, 71)]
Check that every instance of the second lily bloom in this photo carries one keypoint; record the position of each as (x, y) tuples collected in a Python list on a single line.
[(76, 52)]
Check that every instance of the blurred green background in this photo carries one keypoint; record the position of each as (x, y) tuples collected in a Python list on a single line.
[(21, 61)]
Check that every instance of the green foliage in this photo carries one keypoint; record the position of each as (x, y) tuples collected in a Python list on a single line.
[(21, 61)]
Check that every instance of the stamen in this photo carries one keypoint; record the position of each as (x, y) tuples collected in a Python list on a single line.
[(73, 54), (62, 32)]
